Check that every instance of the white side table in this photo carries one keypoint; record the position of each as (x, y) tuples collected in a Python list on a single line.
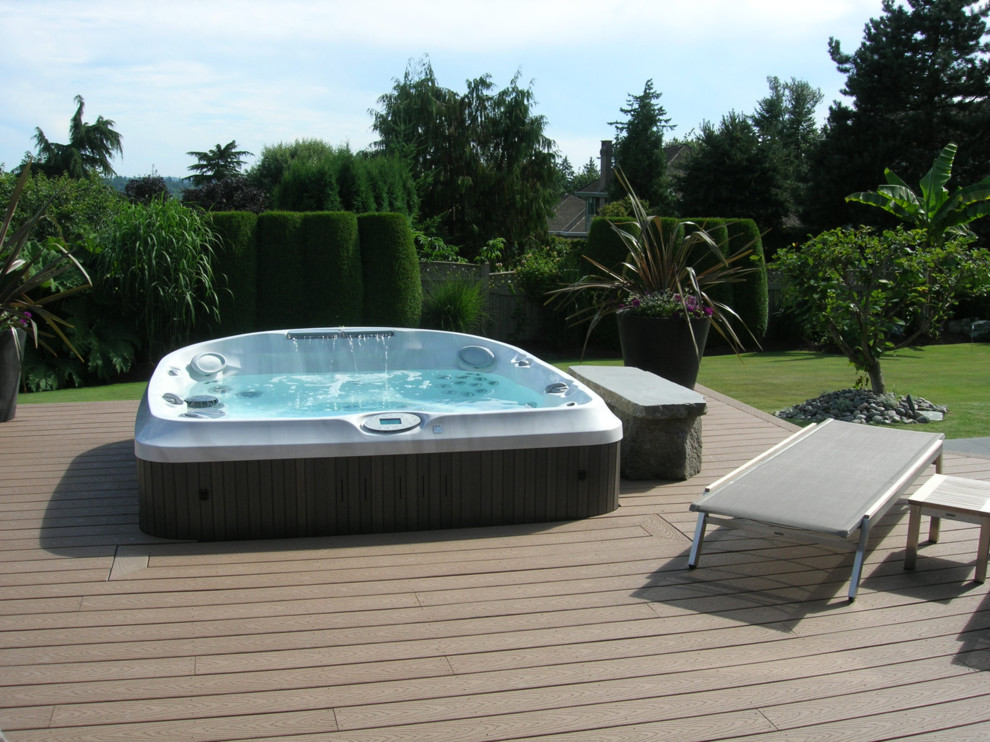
[(966, 500)]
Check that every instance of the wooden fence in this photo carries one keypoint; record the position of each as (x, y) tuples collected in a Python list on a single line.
[(512, 317), (516, 318)]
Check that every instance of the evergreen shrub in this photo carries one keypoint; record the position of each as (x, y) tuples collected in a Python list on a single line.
[(723, 292), (606, 247), (282, 298), (393, 294), (235, 258), (751, 297), (454, 305), (332, 269)]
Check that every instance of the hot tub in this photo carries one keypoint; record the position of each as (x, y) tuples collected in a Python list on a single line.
[(329, 431)]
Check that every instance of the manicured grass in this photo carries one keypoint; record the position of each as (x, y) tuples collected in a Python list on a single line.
[(108, 393), (952, 375)]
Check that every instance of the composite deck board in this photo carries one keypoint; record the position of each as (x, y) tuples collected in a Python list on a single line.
[(587, 629)]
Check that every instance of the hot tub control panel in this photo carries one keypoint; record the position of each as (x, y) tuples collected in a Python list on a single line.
[(392, 422)]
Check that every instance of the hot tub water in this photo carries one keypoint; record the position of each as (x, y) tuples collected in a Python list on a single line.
[(342, 393)]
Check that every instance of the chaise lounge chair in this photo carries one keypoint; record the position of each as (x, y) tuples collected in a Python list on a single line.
[(823, 484)]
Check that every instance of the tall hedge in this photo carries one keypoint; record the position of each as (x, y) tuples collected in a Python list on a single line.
[(749, 298), (704, 258), (606, 247), (235, 264), (283, 299), (311, 175), (332, 269), (393, 295), (752, 296), (308, 185)]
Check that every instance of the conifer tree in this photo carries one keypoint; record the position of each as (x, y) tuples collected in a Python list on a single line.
[(919, 79), (639, 150)]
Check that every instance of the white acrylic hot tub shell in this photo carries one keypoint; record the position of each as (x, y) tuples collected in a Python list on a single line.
[(579, 417)]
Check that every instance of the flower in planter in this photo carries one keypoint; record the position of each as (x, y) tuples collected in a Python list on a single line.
[(666, 305)]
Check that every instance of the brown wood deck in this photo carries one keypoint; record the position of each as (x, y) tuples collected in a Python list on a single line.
[(587, 630)]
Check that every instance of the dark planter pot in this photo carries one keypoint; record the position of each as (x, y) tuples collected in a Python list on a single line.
[(664, 346), (11, 343)]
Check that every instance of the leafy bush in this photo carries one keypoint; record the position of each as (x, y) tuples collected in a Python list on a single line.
[(869, 293), (144, 190), (546, 268), (454, 305), (275, 159), (104, 336), (616, 209), (233, 193), (155, 266), (492, 252), (434, 249), (76, 207), (30, 273)]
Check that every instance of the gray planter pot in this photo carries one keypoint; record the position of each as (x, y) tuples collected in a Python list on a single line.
[(663, 346), (11, 352)]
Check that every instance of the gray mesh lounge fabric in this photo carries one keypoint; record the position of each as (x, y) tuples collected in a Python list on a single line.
[(824, 483)]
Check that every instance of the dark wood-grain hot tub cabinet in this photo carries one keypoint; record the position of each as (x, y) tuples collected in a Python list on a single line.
[(282, 498)]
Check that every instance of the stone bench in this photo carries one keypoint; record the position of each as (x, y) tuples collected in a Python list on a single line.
[(661, 420)]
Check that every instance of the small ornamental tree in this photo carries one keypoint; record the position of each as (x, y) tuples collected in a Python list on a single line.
[(869, 292)]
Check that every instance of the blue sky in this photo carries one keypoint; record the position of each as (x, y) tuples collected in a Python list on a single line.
[(177, 76)]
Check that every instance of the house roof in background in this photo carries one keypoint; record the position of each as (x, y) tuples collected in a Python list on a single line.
[(568, 216)]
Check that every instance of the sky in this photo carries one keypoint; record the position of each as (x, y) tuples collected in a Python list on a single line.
[(180, 76)]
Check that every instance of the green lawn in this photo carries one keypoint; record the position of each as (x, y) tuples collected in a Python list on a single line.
[(107, 393), (952, 375), (957, 376)]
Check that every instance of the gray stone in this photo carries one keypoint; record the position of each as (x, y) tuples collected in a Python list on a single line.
[(931, 416), (661, 420), (979, 331), (877, 409)]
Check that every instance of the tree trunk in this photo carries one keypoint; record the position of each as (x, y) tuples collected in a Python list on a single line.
[(877, 384)]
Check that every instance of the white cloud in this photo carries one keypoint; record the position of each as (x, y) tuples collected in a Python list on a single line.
[(184, 75)]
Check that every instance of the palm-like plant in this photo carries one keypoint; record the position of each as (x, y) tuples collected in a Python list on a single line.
[(936, 211), (680, 261), (19, 278), (223, 161), (89, 149)]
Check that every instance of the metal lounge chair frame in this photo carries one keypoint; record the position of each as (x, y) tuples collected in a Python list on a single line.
[(821, 485)]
